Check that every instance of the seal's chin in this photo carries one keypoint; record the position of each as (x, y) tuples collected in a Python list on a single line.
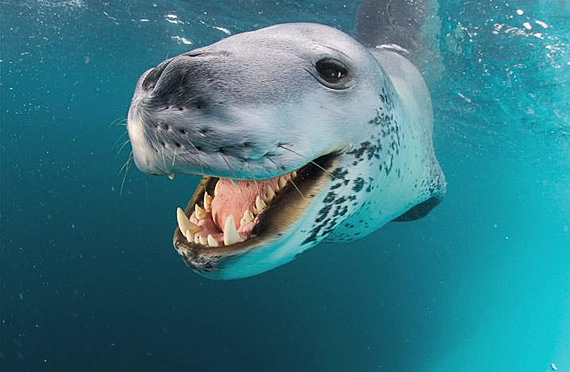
[(226, 217)]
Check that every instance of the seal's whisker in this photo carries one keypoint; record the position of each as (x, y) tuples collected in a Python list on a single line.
[(199, 158), (162, 156), (274, 162), (123, 146), (281, 167), (174, 157), (118, 139), (234, 173), (158, 141), (125, 166), (119, 121), (310, 161), (297, 188), (252, 175)]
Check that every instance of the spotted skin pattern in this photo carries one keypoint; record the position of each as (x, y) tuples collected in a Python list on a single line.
[(362, 191)]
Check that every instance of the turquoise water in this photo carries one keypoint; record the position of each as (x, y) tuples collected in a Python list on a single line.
[(90, 281)]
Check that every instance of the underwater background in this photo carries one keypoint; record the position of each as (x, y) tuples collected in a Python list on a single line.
[(90, 280)]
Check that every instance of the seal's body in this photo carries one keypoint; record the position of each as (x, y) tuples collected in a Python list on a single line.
[(302, 134)]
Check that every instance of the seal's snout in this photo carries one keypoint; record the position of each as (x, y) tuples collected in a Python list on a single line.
[(152, 77)]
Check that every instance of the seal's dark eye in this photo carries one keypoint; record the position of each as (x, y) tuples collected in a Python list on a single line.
[(331, 71)]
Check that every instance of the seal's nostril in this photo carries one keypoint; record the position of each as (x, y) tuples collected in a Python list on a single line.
[(200, 103), (193, 54), (152, 77)]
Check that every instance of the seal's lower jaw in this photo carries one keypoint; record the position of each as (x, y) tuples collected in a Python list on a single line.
[(211, 239)]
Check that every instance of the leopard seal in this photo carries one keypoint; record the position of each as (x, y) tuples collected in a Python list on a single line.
[(301, 133)]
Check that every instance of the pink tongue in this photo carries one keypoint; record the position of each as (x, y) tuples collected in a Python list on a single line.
[(234, 200)]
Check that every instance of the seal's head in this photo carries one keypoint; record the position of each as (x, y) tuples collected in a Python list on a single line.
[(272, 119)]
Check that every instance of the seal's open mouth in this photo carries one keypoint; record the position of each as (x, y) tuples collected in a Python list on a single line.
[(227, 215)]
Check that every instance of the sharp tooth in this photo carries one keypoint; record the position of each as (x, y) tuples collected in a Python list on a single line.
[(207, 202), (269, 195), (171, 176), (184, 224), (294, 174), (212, 242), (217, 188), (247, 218), (203, 240), (200, 213), (188, 235), (197, 239), (259, 205), (282, 182), (231, 235)]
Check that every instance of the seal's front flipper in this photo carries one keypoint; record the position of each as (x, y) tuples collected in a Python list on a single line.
[(419, 211)]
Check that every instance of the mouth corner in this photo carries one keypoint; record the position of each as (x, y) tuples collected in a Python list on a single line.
[(265, 208)]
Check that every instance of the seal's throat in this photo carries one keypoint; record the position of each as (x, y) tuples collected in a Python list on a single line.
[(233, 214)]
